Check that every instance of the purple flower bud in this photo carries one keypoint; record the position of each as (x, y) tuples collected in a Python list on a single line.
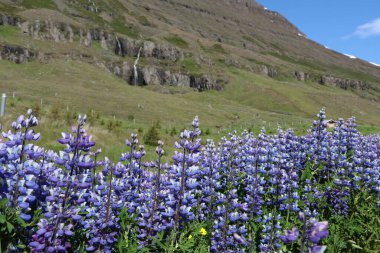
[(10, 144), (25, 217), (90, 248), (40, 248), (239, 239), (76, 217), (34, 244), (41, 231), (37, 136), (318, 249), (301, 216), (24, 205)]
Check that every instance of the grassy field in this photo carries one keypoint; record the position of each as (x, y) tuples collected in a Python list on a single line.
[(64, 88)]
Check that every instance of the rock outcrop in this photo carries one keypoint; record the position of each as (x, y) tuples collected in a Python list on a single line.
[(122, 46), (126, 47), (203, 83), (156, 76), (130, 47), (120, 69), (9, 20), (48, 30), (16, 54), (301, 76), (268, 71), (161, 51), (344, 83), (85, 38), (242, 3), (152, 75)]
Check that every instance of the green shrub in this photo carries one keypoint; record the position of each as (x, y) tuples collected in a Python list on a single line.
[(152, 136)]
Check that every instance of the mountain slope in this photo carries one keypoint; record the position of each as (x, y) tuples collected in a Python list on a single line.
[(261, 67)]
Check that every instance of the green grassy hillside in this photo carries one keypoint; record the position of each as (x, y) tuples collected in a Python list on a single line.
[(72, 79)]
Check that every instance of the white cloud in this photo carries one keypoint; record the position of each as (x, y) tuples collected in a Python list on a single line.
[(368, 29)]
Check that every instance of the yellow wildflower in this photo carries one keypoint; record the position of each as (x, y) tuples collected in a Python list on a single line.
[(190, 236), (203, 231)]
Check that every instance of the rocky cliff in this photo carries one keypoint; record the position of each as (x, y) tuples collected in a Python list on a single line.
[(153, 75), (344, 83), (16, 54), (120, 45)]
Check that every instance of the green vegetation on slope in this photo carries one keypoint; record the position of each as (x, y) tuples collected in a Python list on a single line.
[(249, 102), (34, 4), (177, 41)]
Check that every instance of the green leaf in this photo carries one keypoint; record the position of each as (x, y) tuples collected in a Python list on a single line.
[(306, 173), (2, 218), (3, 203), (356, 246), (10, 227), (21, 246)]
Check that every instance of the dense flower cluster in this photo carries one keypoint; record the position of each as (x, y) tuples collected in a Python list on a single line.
[(253, 194)]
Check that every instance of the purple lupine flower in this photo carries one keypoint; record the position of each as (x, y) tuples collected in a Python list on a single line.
[(317, 249), (318, 231), (290, 235)]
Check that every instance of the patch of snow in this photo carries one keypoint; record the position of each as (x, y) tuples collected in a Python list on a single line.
[(350, 56), (375, 64), (301, 35), (326, 47), (265, 8)]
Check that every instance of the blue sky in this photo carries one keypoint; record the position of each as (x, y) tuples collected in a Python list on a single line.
[(347, 26)]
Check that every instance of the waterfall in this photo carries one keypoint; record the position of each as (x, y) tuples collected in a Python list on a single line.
[(135, 72), (118, 50)]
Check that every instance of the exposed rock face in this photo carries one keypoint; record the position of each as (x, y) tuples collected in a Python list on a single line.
[(9, 20), (178, 79), (203, 83), (85, 38), (161, 51), (107, 40), (151, 75), (242, 3), (16, 54), (156, 76), (48, 30), (60, 32), (344, 83), (301, 76), (122, 46), (126, 47), (268, 71), (122, 70), (129, 47)]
